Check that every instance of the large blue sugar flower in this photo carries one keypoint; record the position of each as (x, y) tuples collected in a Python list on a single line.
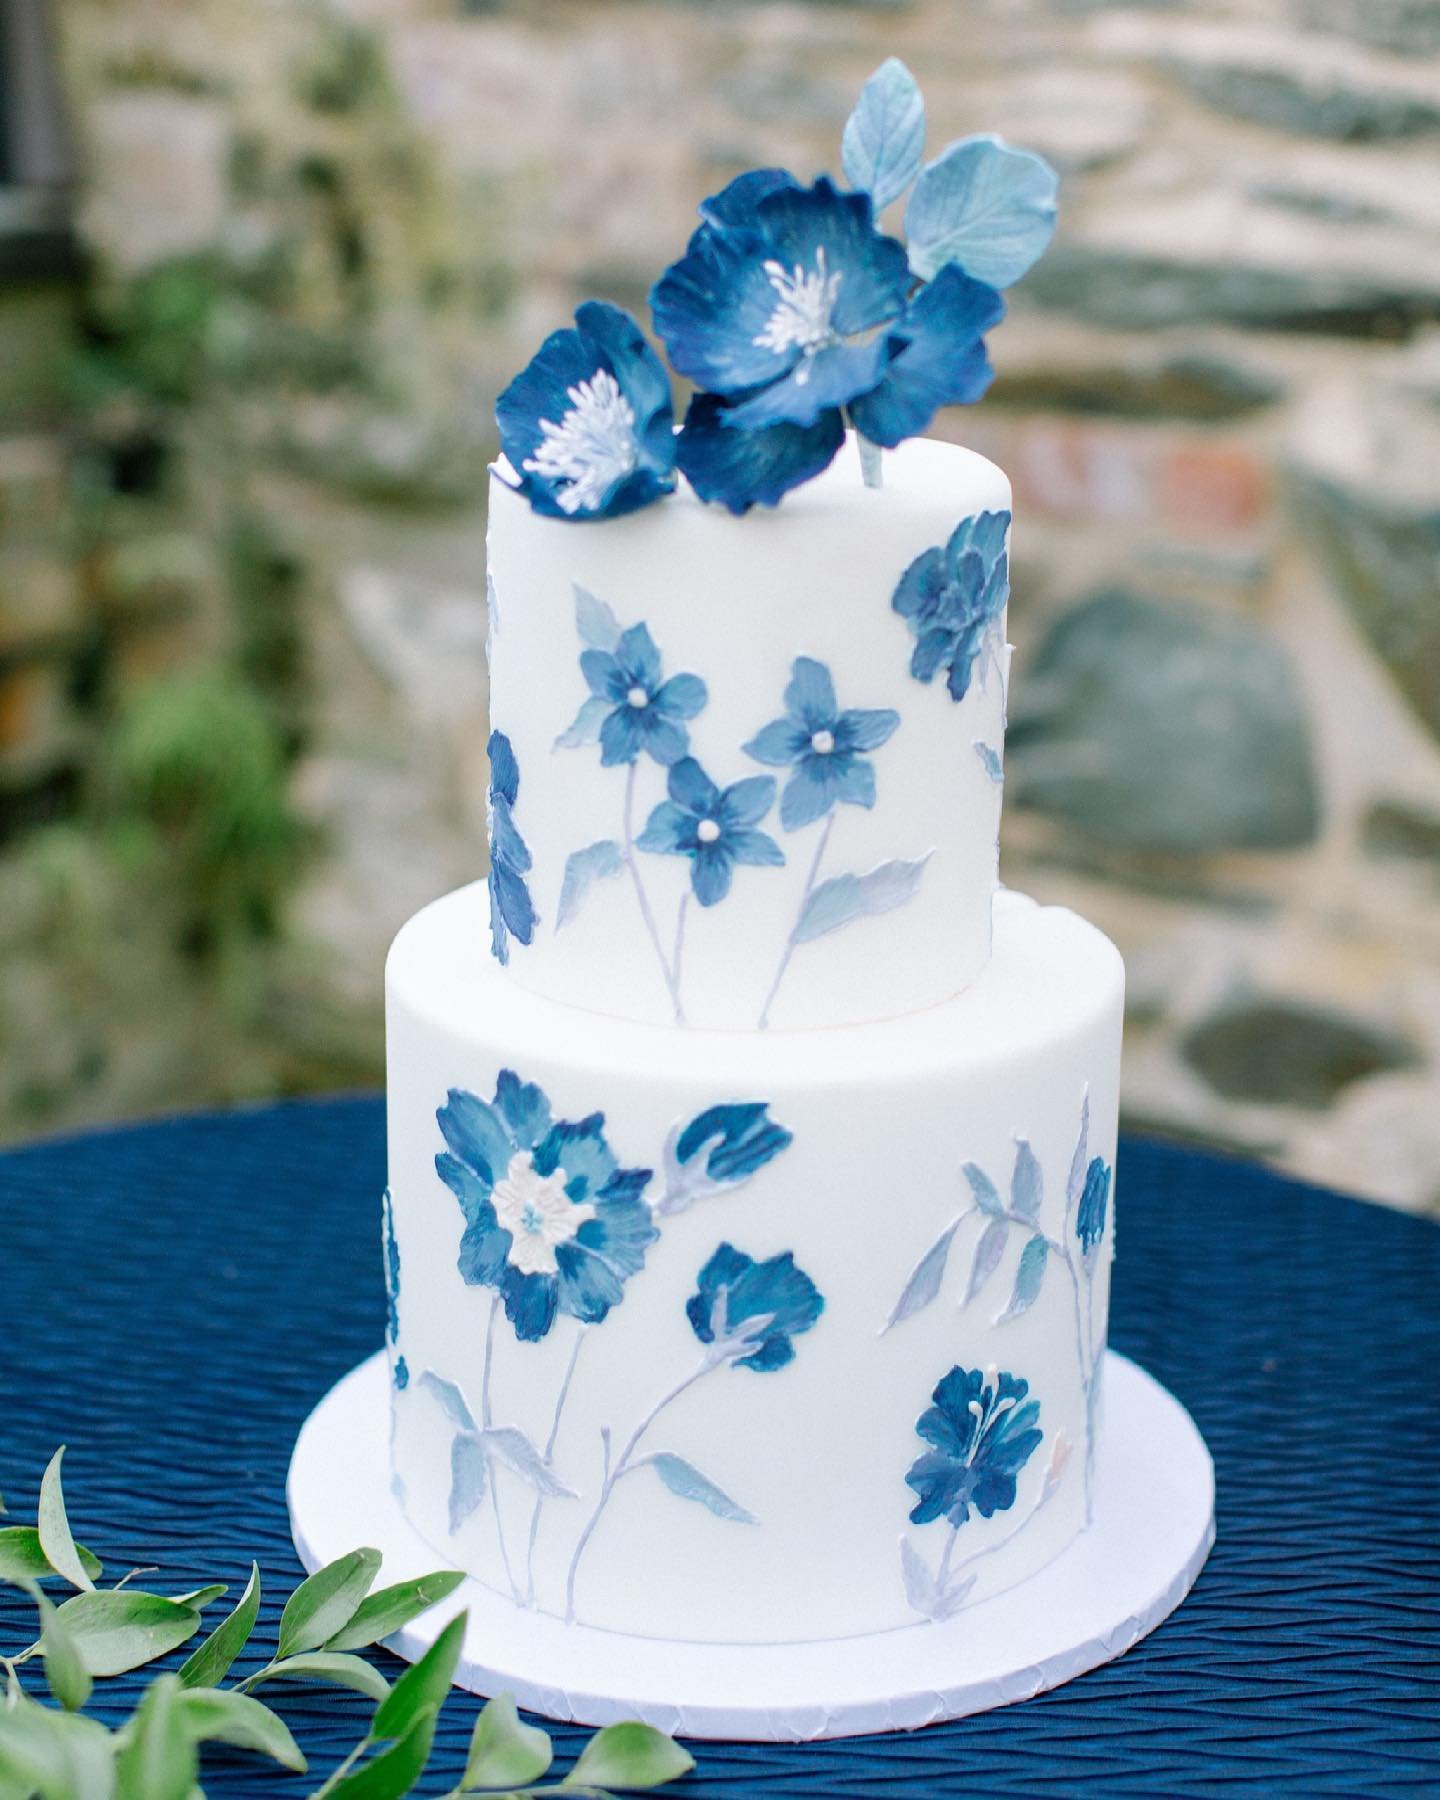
[(714, 827), (552, 1222), (821, 745), (1090, 1213), (983, 1432), (751, 1310), (951, 596), (790, 308), (647, 712), (588, 426), (512, 912)]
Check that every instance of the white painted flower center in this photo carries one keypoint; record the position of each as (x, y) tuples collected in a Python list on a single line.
[(823, 742), (801, 319), (707, 831), (537, 1213), (592, 447), (637, 697)]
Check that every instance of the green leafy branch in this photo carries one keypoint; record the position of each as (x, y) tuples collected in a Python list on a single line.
[(56, 1752)]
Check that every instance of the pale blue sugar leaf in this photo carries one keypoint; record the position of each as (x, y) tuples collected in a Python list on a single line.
[(1075, 1181), (583, 868), (885, 135), (598, 627), (987, 1196), (584, 729), (921, 1591), (1029, 1274), (988, 1252), (837, 902), (511, 1446), (1027, 1184), (954, 1597), (450, 1398), (685, 1480), (990, 761), (985, 206), (925, 1278), (468, 1465)]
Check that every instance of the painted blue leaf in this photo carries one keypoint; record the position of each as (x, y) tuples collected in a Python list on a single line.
[(925, 1279), (584, 729), (685, 1479), (921, 1591), (467, 1478), (835, 903), (1075, 1181), (983, 205), (583, 868), (954, 1597), (991, 762), (1027, 1185), (1029, 1273), (598, 627), (885, 135), (510, 1444), (450, 1398), (988, 1252), (987, 1197)]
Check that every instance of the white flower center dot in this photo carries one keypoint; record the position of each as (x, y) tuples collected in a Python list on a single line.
[(707, 831), (823, 742), (637, 697)]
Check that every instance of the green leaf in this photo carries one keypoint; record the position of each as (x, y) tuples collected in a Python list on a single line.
[(65, 1670), (504, 1751), (382, 1613), (202, 1597), (395, 1770), (22, 1558), (115, 1631), (326, 1665), (158, 1759), (424, 1684), (629, 1756), (210, 1662), (220, 1715), (326, 1602), (59, 1546), (61, 1754)]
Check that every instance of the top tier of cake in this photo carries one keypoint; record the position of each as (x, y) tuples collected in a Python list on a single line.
[(746, 772)]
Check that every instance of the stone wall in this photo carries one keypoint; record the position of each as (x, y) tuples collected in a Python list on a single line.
[(1219, 402)]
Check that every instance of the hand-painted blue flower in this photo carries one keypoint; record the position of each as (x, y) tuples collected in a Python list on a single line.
[(648, 710), (751, 1310), (512, 912), (714, 827), (822, 745), (951, 597), (742, 1138), (392, 1270), (983, 1430), (400, 1374), (551, 1220), (1090, 1213), (790, 306), (588, 426)]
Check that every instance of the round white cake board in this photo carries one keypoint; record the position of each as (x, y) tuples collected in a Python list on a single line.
[(1154, 1525)]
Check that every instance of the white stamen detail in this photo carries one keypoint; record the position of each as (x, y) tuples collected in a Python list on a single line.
[(708, 831), (537, 1213), (637, 696), (823, 742), (801, 320), (592, 447)]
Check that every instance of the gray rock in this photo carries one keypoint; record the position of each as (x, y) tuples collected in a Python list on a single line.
[(1158, 726), (1283, 1052), (1194, 384), (1395, 828), (1411, 27)]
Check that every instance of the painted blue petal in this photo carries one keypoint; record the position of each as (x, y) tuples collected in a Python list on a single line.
[(690, 787), (506, 844), (834, 376), (735, 204), (808, 795), (588, 1286), (504, 770), (724, 1268), (641, 376), (774, 1353), (710, 872), (963, 666), (682, 696), (865, 730), (853, 780), (748, 1138), (523, 1107), (621, 1233), (469, 1187), (638, 658), (579, 1150), (798, 223), (664, 740), (754, 848), (512, 899), (919, 588), (606, 679), (622, 736), (810, 695), (483, 1250), (477, 1134), (936, 358), (984, 533), (531, 1303), (626, 1184), (741, 469), (931, 651), (499, 931), (713, 305), (669, 831), (746, 802), (778, 743), (539, 392)]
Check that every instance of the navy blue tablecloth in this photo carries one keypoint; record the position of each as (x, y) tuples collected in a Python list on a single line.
[(177, 1296)]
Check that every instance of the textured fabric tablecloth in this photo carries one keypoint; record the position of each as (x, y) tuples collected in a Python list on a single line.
[(177, 1297)]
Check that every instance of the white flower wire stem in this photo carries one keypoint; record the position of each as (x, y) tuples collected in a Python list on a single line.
[(872, 468), (622, 1466), (678, 957), (549, 1457), (672, 981), (486, 1421), (763, 1023)]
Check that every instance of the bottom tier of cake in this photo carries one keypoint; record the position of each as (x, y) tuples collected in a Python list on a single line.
[(742, 1339)]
